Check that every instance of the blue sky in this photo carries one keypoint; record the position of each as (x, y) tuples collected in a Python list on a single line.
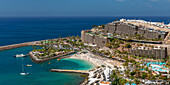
[(84, 7)]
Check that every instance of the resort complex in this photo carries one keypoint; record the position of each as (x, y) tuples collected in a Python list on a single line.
[(124, 52), (141, 47)]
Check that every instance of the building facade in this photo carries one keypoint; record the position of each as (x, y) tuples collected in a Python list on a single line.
[(150, 52), (131, 30)]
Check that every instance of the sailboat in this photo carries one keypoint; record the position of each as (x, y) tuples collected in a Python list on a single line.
[(23, 73)]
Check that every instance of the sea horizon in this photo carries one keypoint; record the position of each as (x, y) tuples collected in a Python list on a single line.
[(16, 30)]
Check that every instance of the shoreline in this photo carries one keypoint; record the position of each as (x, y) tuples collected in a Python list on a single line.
[(36, 60), (85, 58), (95, 60)]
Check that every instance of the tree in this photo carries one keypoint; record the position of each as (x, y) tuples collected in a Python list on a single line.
[(137, 81), (77, 37), (116, 81), (107, 44), (146, 68), (123, 81), (126, 72), (144, 75), (132, 73), (103, 25), (128, 45), (94, 26)]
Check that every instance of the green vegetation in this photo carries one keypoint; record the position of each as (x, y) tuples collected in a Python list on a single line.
[(128, 45), (117, 80), (54, 47)]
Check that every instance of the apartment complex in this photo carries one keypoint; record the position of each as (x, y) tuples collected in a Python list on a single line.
[(157, 52), (92, 38), (127, 29), (99, 37)]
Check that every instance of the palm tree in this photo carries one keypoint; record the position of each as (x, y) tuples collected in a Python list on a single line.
[(116, 81), (78, 37), (94, 26), (136, 81)]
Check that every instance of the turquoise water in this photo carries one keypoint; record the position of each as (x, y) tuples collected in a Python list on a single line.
[(39, 73), (157, 68)]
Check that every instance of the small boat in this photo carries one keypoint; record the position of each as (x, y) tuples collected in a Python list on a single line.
[(24, 73), (58, 59), (20, 55), (29, 65)]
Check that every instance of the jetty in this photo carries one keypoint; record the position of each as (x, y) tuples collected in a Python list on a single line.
[(70, 71), (7, 47)]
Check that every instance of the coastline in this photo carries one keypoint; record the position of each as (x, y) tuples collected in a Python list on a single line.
[(99, 61), (86, 58), (90, 57)]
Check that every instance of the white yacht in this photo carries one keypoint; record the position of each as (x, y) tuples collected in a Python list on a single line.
[(20, 55), (24, 73)]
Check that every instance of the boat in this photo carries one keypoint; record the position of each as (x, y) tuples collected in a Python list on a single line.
[(20, 55), (23, 73), (29, 65), (58, 59)]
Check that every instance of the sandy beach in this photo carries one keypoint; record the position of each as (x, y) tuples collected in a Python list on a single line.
[(96, 60)]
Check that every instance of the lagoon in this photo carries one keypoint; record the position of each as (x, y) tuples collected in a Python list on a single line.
[(39, 73)]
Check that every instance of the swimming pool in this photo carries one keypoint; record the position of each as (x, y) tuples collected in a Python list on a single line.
[(157, 66)]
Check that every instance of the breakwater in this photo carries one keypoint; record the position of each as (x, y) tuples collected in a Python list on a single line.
[(37, 60), (7, 47), (73, 71), (15, 46), (70, 71)]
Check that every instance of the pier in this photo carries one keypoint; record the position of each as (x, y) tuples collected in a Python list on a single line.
[(69, 71), (7, 47)]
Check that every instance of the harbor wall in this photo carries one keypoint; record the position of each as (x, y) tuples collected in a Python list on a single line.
[(84, 82), (15, 46), (7, 47), (69, 71), (36, 60)]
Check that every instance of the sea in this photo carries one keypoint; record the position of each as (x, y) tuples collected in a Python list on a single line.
[(15, 30)]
